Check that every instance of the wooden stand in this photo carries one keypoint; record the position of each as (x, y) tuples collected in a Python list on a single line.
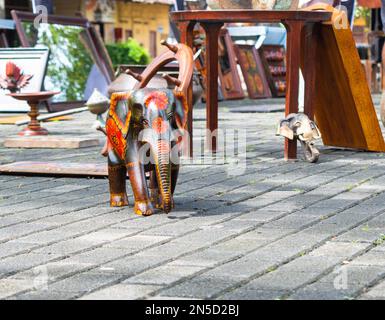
[(212, 22), (336, 91), (341, 99), (33, 100), (33, 128)]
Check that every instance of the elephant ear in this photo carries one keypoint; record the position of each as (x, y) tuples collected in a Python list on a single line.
[(284, 130), (316, 131), (181, 110), (118, 123)]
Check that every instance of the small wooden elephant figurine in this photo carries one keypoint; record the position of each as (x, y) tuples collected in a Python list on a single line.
[(299, 126), (144, 127)]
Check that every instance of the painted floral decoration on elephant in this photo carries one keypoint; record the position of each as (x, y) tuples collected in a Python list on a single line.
[(144, 128)]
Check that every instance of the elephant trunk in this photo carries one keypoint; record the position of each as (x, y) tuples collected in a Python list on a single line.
[(311, 153), (163, 173)]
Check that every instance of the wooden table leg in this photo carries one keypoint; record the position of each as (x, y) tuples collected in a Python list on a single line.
[(383, 68), (309, 71), (187, 37), (293, 56), (212, 34)]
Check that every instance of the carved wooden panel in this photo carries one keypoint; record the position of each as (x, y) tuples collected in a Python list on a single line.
[(228, 70), (273, 60), (253, 71)]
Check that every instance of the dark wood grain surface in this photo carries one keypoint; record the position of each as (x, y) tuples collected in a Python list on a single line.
[(227, 16), (342, 103)]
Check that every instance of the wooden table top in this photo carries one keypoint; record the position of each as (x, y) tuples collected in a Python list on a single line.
[(227, 16)]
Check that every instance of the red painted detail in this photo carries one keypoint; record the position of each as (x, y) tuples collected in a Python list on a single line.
[(159, 125), (158, 98), (116, 129), (163, 147)]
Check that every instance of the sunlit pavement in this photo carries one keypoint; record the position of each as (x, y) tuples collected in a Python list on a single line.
[(273, 230)]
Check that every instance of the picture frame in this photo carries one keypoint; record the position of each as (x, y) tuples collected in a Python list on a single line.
[(273, 58), (253, 71), (200, 64), (31, 61), (89, 38), (228, 69)]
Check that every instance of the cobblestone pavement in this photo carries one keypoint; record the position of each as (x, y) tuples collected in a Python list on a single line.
[(278, 230)]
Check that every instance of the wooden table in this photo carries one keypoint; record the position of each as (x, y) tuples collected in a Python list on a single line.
[(299, 25)]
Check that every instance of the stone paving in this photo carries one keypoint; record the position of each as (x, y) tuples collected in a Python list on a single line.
[(279, 230)]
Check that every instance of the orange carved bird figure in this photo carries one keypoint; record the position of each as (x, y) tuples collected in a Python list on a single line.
[(14, 78)]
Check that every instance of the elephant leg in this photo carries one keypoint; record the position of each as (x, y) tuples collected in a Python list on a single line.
[(154, 191), (143, 205), (174, 177), (174, 180), (117, 179)]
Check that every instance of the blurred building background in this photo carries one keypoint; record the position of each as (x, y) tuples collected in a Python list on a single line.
[(118, 20)]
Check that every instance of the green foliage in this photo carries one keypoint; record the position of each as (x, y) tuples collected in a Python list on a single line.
[(69, 64), (129, 52), (362, 12)]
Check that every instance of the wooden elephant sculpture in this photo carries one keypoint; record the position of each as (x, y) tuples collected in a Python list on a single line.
[(299, 126), (144, 127)]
